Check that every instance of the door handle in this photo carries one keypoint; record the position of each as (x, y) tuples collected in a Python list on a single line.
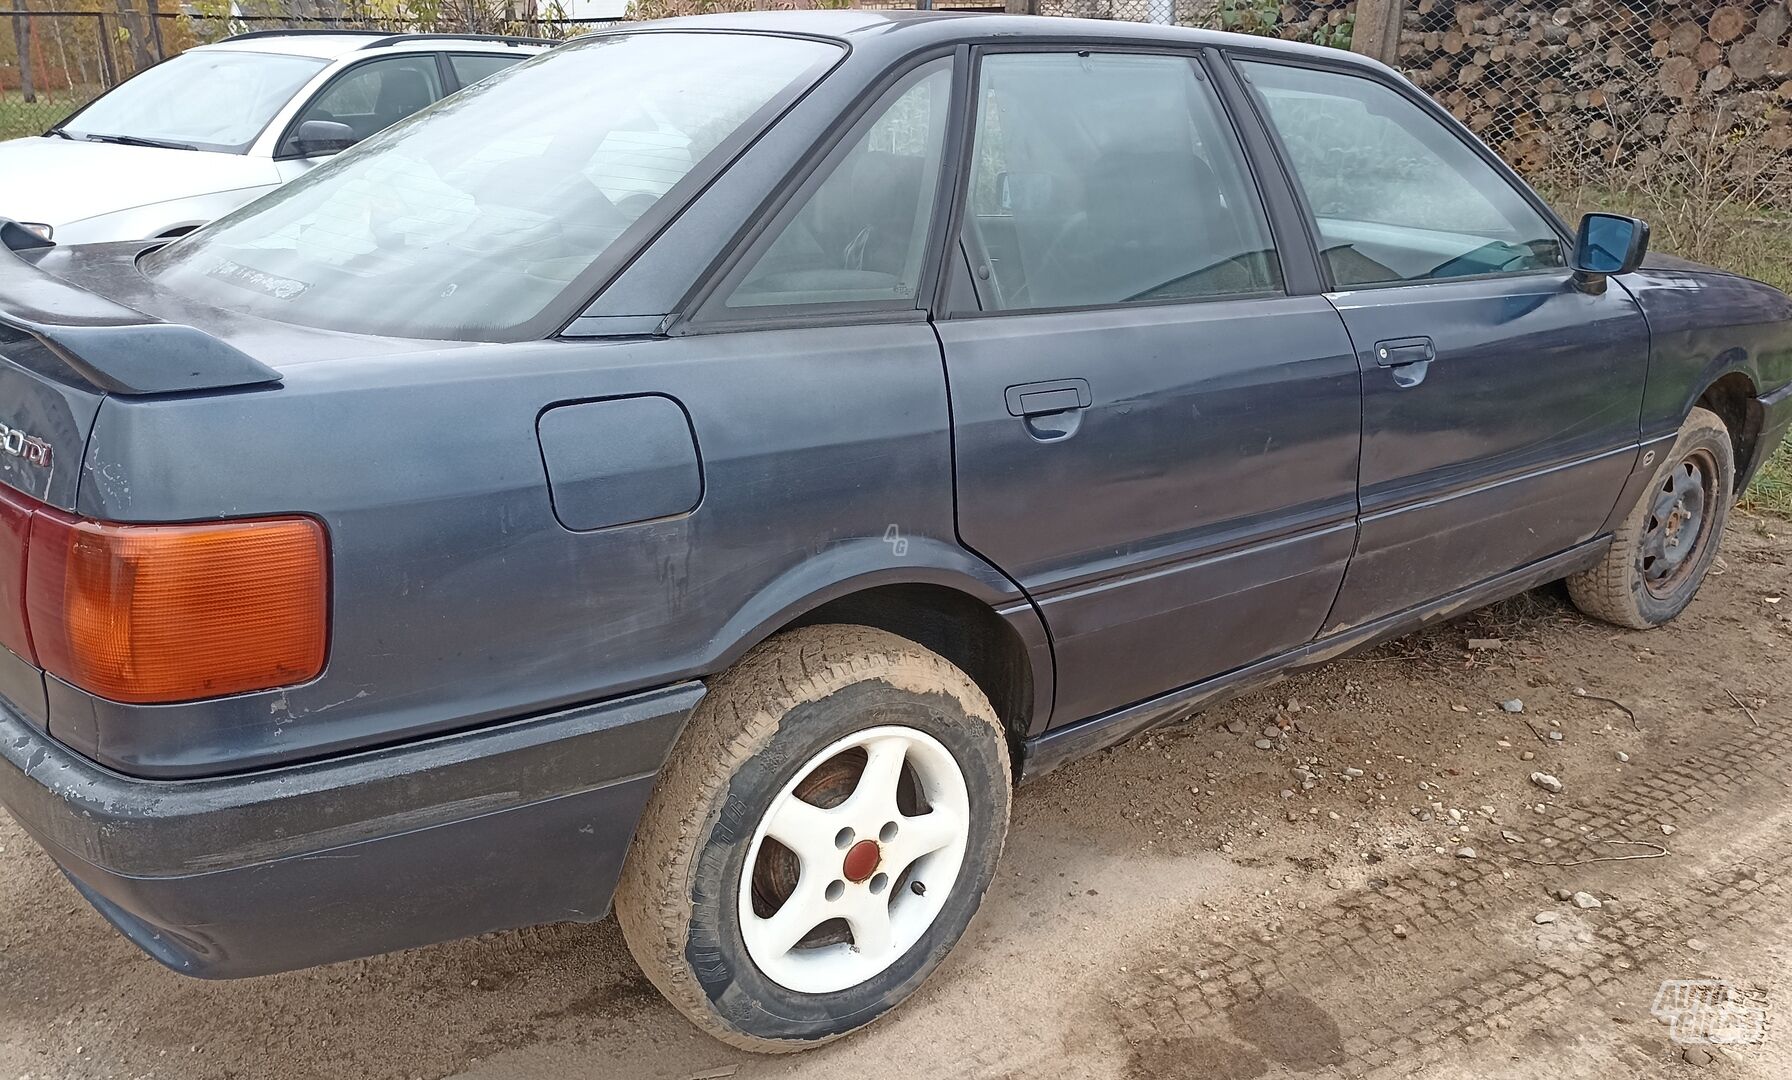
[(1398, 352), (1045, 398), (1408, 359)]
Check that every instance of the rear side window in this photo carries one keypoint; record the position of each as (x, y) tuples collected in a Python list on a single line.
[(486, 216), (1397, 195), (1100, 180), (861, 235), (470, 68)]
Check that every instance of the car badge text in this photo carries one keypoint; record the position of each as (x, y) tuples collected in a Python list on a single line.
[(24, 445)]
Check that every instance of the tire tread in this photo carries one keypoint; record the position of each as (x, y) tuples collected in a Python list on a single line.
[(1607, 590)]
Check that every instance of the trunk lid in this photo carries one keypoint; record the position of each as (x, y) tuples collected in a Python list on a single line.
[(64, 348)]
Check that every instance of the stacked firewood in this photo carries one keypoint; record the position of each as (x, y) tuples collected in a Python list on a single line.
[(1563, 86), (1612, 93)]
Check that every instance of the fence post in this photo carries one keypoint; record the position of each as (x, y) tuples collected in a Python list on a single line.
[(155, 30), (108, 70), (21, 37), (1377, 29)]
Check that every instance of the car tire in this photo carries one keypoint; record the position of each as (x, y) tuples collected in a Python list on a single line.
[(769, 758), (1652, 571)]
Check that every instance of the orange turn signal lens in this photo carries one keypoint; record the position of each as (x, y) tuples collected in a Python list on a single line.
[(160, 613)]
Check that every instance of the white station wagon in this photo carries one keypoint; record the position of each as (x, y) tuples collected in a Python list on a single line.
[(193, 138)]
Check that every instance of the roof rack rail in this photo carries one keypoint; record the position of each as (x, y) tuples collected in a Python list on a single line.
[(386, 37), (505, 39), (299, 30)]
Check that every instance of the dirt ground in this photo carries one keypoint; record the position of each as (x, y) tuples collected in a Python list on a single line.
[(1188, 905)]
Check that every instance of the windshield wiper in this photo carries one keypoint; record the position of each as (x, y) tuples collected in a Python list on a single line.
[(59, 133), (133, 140)]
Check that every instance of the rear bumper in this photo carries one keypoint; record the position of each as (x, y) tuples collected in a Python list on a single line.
[(485, 830)]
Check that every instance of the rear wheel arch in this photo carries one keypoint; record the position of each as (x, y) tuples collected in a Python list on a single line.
[(960, 628)]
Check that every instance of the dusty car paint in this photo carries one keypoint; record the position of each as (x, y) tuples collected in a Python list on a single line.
[(1245, 490)]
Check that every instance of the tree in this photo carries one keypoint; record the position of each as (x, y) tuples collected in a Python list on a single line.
[(137, 36), (21, 37)]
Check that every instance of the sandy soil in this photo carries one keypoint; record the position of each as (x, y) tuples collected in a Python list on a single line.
[(1183, 906)]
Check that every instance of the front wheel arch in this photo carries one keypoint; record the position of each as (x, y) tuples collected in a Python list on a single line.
[(1736, 401)]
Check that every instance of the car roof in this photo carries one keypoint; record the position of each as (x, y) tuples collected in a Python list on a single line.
[(901, 30), (332, 44)]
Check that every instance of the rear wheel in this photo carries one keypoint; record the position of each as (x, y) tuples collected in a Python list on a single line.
[(823, 833), (1660, 554)]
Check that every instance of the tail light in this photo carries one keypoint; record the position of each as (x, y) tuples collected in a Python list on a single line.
[(161, 613)]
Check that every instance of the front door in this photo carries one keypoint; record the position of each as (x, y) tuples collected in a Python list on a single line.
[(1500, 402), (1152, 436), (366, 98)]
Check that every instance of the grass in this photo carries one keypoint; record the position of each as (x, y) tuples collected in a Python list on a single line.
[(1751, 240), (1771, 493), (19, 118)]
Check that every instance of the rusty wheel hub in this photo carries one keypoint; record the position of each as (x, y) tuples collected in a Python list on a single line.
[(861, 861)]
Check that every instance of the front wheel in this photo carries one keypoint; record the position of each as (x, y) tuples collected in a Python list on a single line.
[(1660, 553), (823, 833)]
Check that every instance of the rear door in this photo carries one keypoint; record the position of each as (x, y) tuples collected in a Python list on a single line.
[(1500, 402), (469, 68), (1156, 435)]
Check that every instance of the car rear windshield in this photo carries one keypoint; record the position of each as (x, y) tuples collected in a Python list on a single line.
[(208, 99), (471, 219)]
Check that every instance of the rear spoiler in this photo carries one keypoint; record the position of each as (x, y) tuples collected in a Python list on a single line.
[(110, 346)]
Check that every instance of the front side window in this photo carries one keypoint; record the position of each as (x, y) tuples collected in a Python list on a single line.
[(373, 96), (1109, 179), (1397, 196), (861, 235), (207, 99), (473, 219)]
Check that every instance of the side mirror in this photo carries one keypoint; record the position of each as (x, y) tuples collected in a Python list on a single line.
[(316, 137), (1608, 244)]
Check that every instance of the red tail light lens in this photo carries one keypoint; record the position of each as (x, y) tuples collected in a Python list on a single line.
[(15, 532), (160, 613)]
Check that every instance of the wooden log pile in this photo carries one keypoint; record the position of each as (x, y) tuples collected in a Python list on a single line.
[(1565, 89)]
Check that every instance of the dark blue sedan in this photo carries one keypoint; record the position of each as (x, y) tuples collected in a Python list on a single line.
[(703, 468)]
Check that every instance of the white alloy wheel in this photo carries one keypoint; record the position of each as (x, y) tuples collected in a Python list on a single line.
[(866, 843)]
